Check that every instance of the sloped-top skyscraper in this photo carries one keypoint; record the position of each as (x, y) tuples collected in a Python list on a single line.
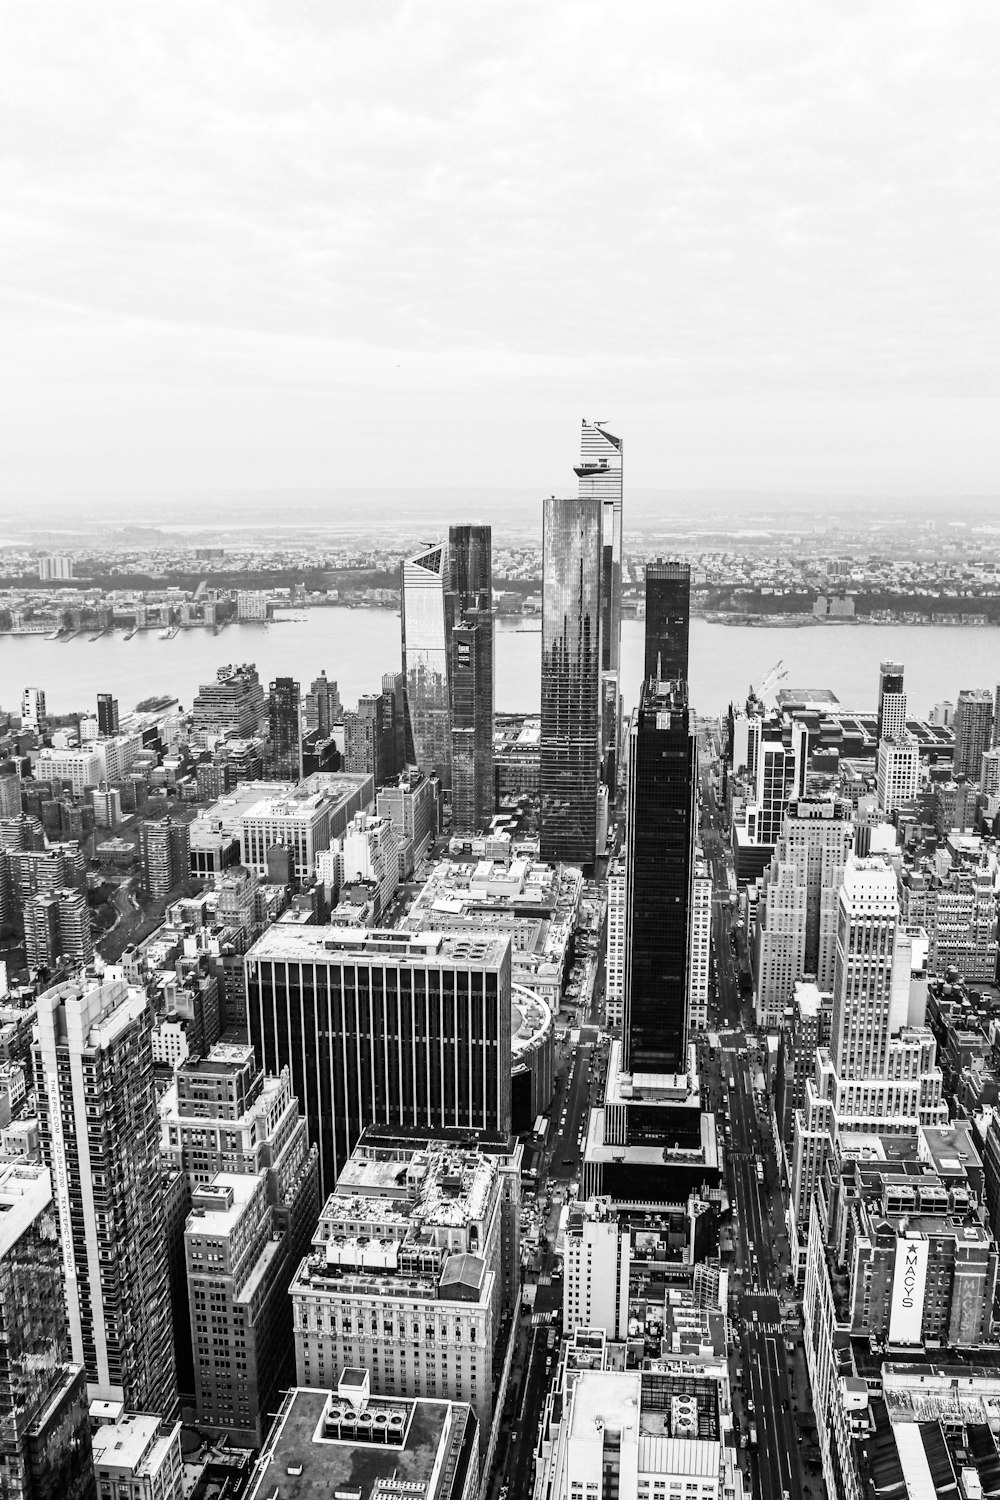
[(571, 738), (447, 625), (600, 475)]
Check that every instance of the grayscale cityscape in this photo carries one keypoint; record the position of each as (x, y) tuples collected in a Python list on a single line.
[(499, 963)]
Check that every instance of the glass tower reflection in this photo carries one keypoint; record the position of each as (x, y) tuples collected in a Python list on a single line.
[(425, 661), (470, 611), (600, 477), (571, 678), (668, 620)]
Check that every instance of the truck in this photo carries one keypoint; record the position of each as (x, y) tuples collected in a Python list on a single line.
[(753, 1435), (760, 1171)]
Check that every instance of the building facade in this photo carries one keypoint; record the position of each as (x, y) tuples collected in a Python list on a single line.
[(599, 473)]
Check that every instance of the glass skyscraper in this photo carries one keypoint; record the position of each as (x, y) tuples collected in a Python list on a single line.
[(600, 478), (571, 739), (284, 730), (447, 624), (668, 621), (659, 863)]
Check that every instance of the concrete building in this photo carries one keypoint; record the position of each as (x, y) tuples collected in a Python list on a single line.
[(324, 1440), (231, 705), (166, 857), (137, 1457), (614, 994), (700, 963), (596, 1262), (891, 701), (973, 731), (33, 715), (97, 1107), (898, 772), (57, 926), (412, 805), (82, 769), (416, 1029), (369, 850), (404, 1278), (303, 818), (365, 730)]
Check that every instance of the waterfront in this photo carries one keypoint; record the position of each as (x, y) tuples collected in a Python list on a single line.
[(356, 646)]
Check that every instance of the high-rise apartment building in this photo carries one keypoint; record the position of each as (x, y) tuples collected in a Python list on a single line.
[(596, 1260), (898, 773), (10, 790), (600, 478), (369, 851), (231, 705), (891, 701), (284, 730), (659, 863), (365, 737), (973, 731), (321, 706), (99, 1130), (699, 967), (44, 1428), (571, 728), (382, 1025), (107, 714), (668, 620), (412, 805), (57, 926), (166, 856), (33, 715)]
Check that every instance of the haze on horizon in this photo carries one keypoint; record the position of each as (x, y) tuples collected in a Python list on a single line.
[(253, 247)]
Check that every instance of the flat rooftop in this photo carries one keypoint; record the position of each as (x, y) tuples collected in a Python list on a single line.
[(381, 945), (298, 1464), (25, 1191), (124, 1444)]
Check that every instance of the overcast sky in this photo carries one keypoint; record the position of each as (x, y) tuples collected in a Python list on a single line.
[(372, 243)]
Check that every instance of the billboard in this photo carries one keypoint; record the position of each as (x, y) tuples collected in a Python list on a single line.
[(908, 1286)]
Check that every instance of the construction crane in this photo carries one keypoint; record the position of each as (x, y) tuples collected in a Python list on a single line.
[(774, 675)]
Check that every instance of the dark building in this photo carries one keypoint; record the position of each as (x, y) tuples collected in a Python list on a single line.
[(378, 1025), (107, 714), (569, 767), (668, 621), (321, 707), (394, 751), (662, 780), (285, 730)]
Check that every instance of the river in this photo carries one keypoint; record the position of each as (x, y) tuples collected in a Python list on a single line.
[(356, 646)]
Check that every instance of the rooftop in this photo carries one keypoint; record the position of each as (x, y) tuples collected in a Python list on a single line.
[(381, 945), (25, 1191), (300, 1463)]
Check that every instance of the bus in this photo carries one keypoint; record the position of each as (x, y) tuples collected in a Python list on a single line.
[(760, 1171)]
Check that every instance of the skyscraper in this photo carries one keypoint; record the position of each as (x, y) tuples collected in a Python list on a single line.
[(166, 856), (973, 731), (571, 731), (424, 627), (387, 1026), (365, 737), (471, 676), (285, 730), (33, 715), (394, 693), (447, 626), (668, 620), (659, 862), (99, 1129), (600, 474), (107, 714), (891, 700), (321, 706)]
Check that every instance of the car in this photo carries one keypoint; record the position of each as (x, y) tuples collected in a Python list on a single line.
[(567, 1161)]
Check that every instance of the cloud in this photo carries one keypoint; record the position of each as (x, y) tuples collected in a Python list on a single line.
[(430, 208)]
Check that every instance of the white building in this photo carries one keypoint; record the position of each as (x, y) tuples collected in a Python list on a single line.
[(701, 944), (33, 714), (615, 959), (596, 1261), (83, 769), (251, 605), (138, 1458), (898, 772), (369, 850)]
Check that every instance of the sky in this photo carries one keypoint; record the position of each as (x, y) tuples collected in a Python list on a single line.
[(356, 244)]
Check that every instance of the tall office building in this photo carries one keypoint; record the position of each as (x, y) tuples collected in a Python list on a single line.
[(571, 733), (600, 478), (284, 730), (10, 790), (33, 715), (863, 1014), (424, 624), (973, 731), (659, 863), (470, 550), (897, 772), (394, 752), (668, 620), (380, 1025), (365, 732), (107, 714), (891, 701), (99, 1130)]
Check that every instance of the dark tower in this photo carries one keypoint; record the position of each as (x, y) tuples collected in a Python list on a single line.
[(668, 620), (469, 611), (285, 734), (659, 856), (107, 714)]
